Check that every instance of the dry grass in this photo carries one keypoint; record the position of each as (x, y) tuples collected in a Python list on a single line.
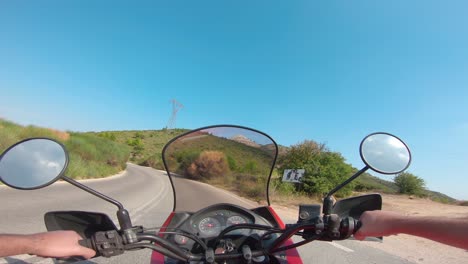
[(61, 135)]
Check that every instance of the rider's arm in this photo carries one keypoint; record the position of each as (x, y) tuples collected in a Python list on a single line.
[(49, 244), (453, 232)]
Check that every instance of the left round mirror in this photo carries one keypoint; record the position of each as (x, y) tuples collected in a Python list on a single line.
[(33, 163)]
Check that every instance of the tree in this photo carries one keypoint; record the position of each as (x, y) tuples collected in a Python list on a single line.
[(330, 171), (323, 169), (409, 183)]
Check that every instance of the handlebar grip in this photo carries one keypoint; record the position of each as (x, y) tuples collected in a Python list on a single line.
[(357, 226), (86, 243)]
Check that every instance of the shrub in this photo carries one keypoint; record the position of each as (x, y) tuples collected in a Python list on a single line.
[(250, 167), (108, 135), (254, 191), (409, 183), (323, 169), (232, 163), (208, 165), (284, 188), (153, 161), (139, 135), (443, 200)]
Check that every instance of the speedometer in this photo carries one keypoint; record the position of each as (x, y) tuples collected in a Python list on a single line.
[(209, 226)]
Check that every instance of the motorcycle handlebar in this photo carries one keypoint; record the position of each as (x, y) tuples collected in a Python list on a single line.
[(111, 243), (86, 243)]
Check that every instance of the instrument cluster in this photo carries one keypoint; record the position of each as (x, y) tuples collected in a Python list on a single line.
[(208, 223), (212, 223)]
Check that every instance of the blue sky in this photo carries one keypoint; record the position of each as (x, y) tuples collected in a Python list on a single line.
[(330, 71)]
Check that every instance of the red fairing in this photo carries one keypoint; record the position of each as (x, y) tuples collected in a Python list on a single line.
[(291, 255), (157, 258)]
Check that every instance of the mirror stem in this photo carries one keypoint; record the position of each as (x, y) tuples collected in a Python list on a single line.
[(93, 192), (328, 201), (122, 213)]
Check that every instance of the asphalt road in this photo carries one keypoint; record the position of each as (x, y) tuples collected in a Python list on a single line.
[(147, 195)]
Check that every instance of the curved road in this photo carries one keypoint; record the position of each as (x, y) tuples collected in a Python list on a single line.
[(147, 195)]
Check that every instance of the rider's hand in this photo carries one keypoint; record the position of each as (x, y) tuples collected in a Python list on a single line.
[(59, 244), (378, 223)]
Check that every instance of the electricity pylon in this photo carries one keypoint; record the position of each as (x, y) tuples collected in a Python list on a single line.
[(176, 106)]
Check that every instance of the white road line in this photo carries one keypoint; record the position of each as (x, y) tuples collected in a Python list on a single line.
[(141, 211), (341, 247)]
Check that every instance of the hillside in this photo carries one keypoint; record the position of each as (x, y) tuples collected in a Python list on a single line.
[(99, 154), (90, 156), (367, 182), (238, 153), (145, 145), (152, 142)]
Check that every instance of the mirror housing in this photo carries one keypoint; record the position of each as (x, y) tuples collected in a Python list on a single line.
[(385, 153), (33, 163)]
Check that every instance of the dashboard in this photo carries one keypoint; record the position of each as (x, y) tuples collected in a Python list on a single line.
[(209, 222)]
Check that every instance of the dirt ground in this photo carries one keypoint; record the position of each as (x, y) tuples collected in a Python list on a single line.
[(411, 248)]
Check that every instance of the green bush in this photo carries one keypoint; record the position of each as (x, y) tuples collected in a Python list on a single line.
[(250, 167), (323, 169), (284, 188), (154, 161), (108, 135), (409, 184), (232, 163)]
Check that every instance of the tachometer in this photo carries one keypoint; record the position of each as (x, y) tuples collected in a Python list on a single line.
[(209, 226), (235, 220)]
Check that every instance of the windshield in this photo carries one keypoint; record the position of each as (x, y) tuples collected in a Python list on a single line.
[(220, 164)]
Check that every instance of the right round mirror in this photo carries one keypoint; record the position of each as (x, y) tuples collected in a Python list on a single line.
[(385, 153), (33, 163)]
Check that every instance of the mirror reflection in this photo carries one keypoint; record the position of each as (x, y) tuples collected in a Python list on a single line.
[(32, 163), (385, 153)]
